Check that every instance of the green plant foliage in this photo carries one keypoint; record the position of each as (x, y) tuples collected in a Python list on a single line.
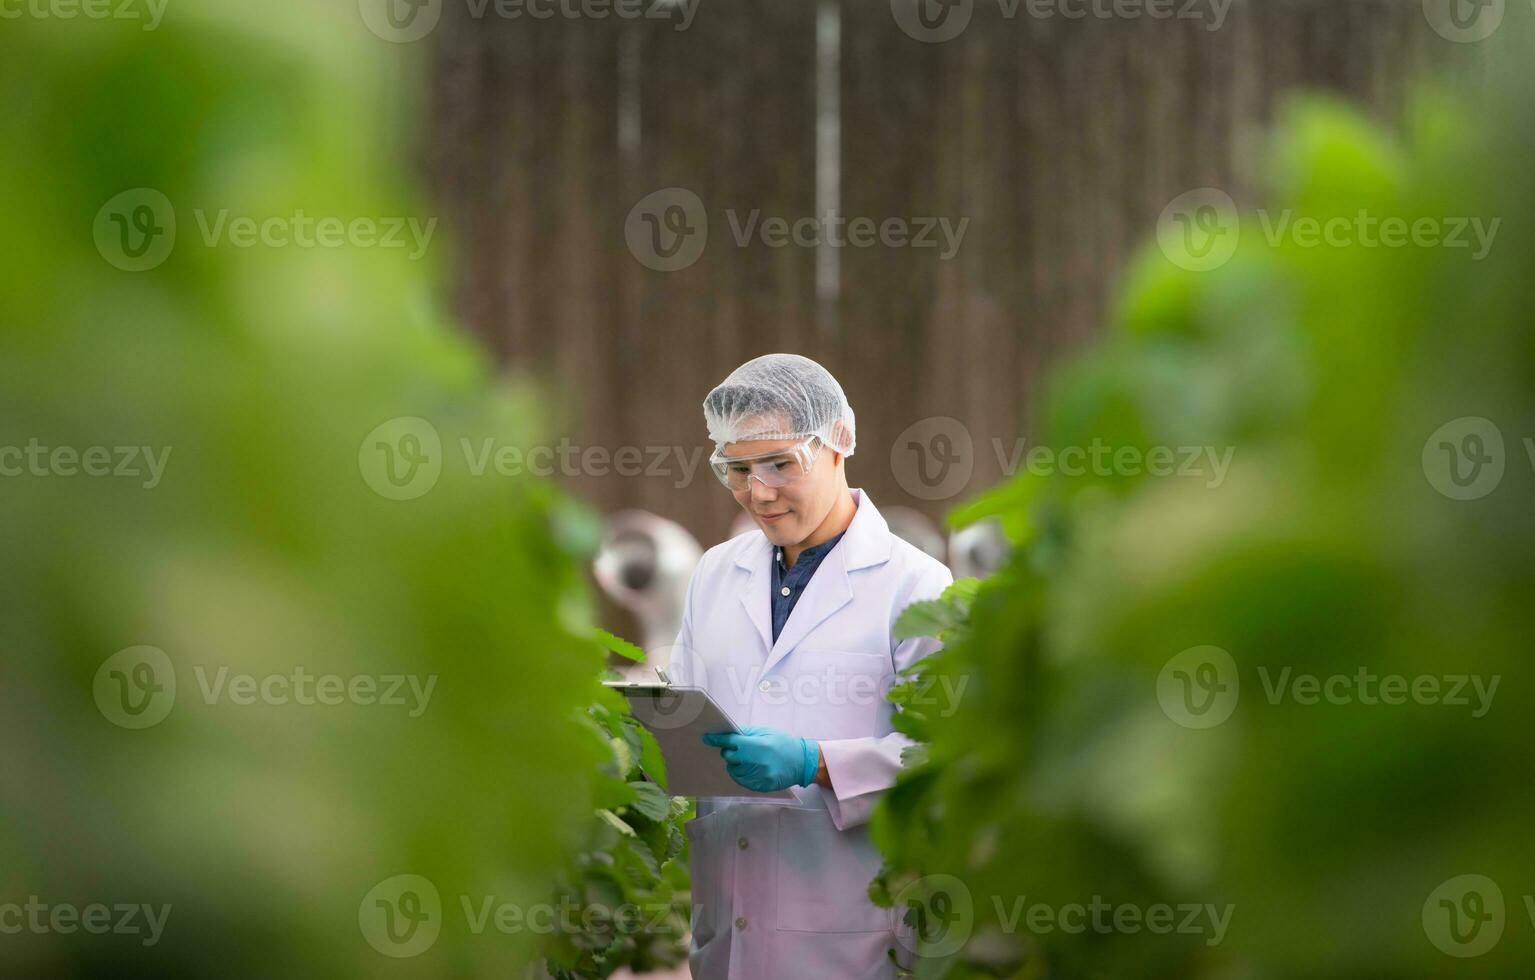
[(626, 895), (1070, 771), (620, 646), (261, 549)]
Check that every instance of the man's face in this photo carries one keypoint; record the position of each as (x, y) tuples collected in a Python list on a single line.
[(789, 514)]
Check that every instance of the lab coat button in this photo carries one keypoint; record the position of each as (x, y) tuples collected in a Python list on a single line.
[(784, 590), (741, 843), (765, 685), (741, 922)]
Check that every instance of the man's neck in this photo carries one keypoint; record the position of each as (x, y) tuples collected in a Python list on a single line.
[(836, 522)]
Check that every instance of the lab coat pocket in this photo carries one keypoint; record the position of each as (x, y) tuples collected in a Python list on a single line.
[(709, 868), (840, 694), (824, 875)]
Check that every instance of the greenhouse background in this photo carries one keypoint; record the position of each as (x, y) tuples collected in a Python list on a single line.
[(352, 357)]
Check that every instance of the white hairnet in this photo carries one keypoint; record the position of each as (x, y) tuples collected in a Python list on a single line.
[(780, 396)]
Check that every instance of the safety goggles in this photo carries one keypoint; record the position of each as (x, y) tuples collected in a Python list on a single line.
[(775, 469)]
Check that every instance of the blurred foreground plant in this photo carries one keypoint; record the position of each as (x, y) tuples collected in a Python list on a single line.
[(352, 706), (1129, 785)]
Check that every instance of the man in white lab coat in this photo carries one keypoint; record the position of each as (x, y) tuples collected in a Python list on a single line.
[(789, 628)]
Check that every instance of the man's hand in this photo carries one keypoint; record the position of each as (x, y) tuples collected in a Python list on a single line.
[(766, 760)]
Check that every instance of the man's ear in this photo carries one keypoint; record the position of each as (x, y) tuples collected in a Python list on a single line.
[(840, 433)]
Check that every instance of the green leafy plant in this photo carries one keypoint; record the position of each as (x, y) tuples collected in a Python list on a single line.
[(1307, 837), (272, 380), (627, 892)]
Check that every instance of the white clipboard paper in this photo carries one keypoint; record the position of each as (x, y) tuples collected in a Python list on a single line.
[(679, 716)]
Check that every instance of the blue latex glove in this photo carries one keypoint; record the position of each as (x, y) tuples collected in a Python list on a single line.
[(765, 759)]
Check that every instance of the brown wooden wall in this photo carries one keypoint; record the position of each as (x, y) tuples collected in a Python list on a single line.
[(1060, 140)]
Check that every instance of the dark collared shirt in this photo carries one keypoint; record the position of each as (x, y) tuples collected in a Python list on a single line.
[(789, 583)]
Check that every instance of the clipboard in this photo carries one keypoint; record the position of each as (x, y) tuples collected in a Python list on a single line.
[(679, 716)]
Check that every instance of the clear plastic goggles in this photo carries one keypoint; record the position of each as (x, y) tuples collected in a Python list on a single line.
[(775, 469)]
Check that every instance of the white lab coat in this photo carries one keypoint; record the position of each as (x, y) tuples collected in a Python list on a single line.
[(780, 889)]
